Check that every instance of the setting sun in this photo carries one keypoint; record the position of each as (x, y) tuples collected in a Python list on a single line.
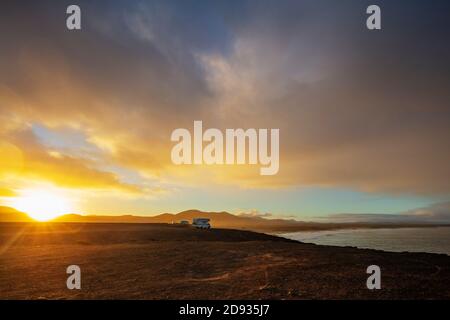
[(42, 205)]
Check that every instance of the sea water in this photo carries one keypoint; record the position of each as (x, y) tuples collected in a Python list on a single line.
[(433, 240)]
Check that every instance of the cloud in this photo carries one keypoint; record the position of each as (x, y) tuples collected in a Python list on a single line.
[(255, 214), (356, 110), (27, 158), (435, 213), (5, 192)]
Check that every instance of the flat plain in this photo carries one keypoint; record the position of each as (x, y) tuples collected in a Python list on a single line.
[(163, 261)]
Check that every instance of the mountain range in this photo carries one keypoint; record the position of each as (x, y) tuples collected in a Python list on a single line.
[(218, 220)]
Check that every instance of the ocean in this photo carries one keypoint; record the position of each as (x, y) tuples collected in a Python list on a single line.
[(432, 240)]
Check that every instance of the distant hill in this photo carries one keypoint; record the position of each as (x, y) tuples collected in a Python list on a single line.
[(8, 214), (218, 220), (227, 220)]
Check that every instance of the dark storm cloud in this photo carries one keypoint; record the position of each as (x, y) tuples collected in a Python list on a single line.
[(356, 108)]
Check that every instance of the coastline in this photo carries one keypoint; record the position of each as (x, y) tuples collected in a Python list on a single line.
[(353, 237)]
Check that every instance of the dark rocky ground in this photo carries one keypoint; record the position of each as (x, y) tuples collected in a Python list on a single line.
[(157, 261)]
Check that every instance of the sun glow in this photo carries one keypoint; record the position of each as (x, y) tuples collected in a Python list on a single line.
[(42, 205)]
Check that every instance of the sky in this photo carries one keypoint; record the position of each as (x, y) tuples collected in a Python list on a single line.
[(363, 115)]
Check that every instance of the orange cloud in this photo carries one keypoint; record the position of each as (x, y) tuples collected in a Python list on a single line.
[(343, 123), (24, 158), (5, 192)]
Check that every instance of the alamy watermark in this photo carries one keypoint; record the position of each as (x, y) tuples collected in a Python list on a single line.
[(236, 146), (374, 280), (74, 280), (373, 22), (73, 20)]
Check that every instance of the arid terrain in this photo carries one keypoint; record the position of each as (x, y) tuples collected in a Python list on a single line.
[(159, 261)]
